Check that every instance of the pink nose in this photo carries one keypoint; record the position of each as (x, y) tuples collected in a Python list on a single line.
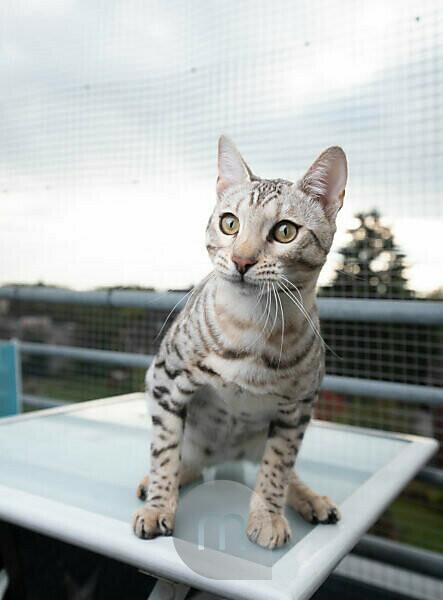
[(243, 264)]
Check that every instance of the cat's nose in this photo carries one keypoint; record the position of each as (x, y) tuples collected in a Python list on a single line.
[(243, 264)]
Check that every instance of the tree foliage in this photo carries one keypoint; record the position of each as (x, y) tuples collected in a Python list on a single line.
[(372, 265)]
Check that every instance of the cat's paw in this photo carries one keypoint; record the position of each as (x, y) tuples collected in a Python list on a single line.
[(319, 509), (268, 530), (149, 522)]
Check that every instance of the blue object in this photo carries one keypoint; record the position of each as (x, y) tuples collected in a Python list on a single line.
[(9, 379)]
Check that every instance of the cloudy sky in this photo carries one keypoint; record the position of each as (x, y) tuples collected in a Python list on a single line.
[(110, 113)]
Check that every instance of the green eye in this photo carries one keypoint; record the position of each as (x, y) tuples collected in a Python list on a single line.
[(229, 224), (284, 232)]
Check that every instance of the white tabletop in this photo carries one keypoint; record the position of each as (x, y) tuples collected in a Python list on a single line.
[(71, 473)]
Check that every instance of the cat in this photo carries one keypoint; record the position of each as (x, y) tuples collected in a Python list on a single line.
[(238, 372)]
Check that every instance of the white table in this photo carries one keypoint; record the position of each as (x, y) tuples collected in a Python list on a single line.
[(71, 473)]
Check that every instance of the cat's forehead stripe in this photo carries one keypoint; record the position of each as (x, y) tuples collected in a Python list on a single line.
[(266, 190)]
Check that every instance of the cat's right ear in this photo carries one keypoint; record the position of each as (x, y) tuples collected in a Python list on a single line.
[(232, 169)]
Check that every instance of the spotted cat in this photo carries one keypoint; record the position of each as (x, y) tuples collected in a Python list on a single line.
[(239, 370)]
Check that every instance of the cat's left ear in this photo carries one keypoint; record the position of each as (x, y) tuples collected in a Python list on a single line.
[(326, 179), (232, 168)]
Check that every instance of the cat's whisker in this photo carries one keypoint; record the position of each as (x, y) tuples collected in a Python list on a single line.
[(266, 312), (263, 315), (248, 346), (260, 294), (198, 288), (351, 275), (302, 309), (269, 309), (302, 306), (292, 284), (282, 329), (187, 295), (195, 295), (295, 301), (276, 308)]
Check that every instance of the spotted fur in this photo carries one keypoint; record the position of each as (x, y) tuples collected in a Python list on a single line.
[(239, 370)]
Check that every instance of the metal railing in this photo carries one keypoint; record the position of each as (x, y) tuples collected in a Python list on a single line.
[(392, 311), (432, 396), (353, 310)]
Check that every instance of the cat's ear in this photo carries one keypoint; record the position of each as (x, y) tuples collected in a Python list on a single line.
[(232, 169), (325, 180)]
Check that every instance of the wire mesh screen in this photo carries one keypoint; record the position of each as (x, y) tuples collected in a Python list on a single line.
[(111, 113), (409, 353)]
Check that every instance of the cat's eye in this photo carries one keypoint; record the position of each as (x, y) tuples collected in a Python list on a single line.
[(229, 224), (284, 232)]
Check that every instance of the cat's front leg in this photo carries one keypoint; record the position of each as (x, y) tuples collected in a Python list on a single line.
[(168, 401), (267, 524)]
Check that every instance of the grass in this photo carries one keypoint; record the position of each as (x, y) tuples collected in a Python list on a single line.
[(415, 518), (79, 389)]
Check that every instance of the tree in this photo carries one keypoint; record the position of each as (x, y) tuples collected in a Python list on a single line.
[(372, 264)]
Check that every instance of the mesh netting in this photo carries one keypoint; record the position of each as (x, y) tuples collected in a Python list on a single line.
[(111, 114)]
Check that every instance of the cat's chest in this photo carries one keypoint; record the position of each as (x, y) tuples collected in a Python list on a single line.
[(243, 373), (243, 404)]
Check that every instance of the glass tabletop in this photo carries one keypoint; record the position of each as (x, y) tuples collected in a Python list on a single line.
[(92, 458)]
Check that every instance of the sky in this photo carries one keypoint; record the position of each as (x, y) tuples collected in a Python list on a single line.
[(110, 114)]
